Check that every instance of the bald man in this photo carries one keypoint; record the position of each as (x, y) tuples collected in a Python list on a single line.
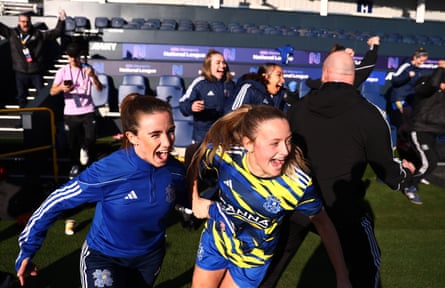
[(341, 133)]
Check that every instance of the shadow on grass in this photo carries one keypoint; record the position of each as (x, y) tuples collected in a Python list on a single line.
[(179, 281), (62, 273)]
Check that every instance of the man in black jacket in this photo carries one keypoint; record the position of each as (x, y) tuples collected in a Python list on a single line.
[(27, 45), (428, 120), (341, 133)]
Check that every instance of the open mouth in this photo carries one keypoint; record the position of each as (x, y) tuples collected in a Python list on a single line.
[(162, 155)]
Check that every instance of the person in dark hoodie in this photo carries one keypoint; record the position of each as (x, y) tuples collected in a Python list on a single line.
[(265, 87), (341, 133), (27, 52)]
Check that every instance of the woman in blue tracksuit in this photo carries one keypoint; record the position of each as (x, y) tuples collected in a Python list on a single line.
[(134, 189), (265, 87), (206, 96)]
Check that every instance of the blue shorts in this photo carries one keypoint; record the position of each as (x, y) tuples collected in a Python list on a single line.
[(209, 258), (99, 270)]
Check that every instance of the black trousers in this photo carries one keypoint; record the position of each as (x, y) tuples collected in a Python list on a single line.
[(425, 146), (360, 248), (82, 134)]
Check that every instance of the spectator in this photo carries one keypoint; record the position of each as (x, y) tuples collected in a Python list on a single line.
[(401, 95), (27, 45), (341, 133), (428, 121), (74, 81), (206, 96), (134, 190), (246, 157), (363, 70), (264, 87)]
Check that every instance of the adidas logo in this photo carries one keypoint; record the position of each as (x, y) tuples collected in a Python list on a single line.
[(131, 196), (211, 93), (228, 183)]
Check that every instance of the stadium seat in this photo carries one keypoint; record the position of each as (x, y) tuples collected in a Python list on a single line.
[(100, 98), (82, 23), (177, 115), (118, 22), (171, 80), (70, 25), (131, 83), (134, 79), (170, 94), (183, 133), (126, 89), (101, 23)]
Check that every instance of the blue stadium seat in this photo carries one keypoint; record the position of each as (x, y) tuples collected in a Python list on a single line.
[(101, 23), (118, 22), (177, 115), (100, 98), (82, 23), (183, 133), (126, 89), (134, 79), (170, 94), (172, 80), (70, 25), (131, 83)]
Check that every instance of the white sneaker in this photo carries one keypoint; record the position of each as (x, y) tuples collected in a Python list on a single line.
[(424, 181), (83, 157)]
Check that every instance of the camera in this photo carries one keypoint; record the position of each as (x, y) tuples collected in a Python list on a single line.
[(68, 82)]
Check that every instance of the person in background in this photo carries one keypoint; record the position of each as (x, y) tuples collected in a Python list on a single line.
[(428, 121), (206, 96), (247, 157), (363, 70), (74, 81), (27, 45), (134, 190), (401, 95), (341, 133), (263, 87)]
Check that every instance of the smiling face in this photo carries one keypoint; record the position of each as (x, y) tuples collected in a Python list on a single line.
[(217, 66), (155, 137), (268, 151), (275, 80)]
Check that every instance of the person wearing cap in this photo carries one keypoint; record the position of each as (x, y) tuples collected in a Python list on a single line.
[(27, 45), (74, 81)]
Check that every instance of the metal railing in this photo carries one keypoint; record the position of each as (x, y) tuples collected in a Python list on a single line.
[(15, 8), (52, 146)]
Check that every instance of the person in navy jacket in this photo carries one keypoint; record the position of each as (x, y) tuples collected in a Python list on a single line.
[(134, 190), (206, 96)]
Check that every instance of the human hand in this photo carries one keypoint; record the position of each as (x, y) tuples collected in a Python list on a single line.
[(374, 40), (441, 63), (350, 51), (198, 106), (200, 207), (344, 283), (27, 267), (62, 14), (408, 165)]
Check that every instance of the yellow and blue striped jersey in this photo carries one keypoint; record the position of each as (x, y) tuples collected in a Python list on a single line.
[(246, 216)]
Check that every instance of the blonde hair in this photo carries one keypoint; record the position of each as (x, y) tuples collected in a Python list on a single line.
[(229, 130)]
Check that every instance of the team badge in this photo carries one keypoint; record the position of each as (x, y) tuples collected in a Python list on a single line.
[(272, 205), (102, 278)]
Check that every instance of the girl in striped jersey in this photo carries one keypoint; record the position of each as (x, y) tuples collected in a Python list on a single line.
[(259, 178)]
